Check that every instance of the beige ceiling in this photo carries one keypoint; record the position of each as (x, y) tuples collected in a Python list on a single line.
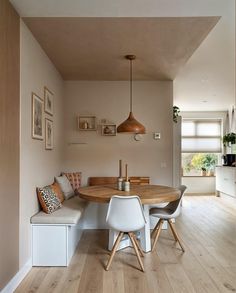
[(84, 48)]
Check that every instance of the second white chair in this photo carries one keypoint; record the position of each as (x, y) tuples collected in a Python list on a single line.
[(125, 215)]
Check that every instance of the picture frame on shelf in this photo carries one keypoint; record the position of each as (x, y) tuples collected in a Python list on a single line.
[(48, 134), (87, 123), (108, 129), (48, 101), (37, 117)]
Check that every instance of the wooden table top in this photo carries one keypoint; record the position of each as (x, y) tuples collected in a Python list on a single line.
[(149, 194)]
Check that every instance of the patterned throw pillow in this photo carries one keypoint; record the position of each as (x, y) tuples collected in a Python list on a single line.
[(75, 180), (57, 189), (48, 199)]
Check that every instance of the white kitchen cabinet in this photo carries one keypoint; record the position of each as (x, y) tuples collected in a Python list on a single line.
[(226, 180)]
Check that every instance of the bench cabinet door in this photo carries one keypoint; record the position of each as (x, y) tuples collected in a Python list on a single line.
[(49, 244)]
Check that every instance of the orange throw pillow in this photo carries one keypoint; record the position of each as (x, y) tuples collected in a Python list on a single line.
[(57, 189)]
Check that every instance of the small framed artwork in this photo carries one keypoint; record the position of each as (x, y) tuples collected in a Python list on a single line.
[(48, 134), (109, 129), (37, 117), (48, 101)]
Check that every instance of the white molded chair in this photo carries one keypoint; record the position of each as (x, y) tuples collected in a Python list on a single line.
[(125, 214), (171, 211)]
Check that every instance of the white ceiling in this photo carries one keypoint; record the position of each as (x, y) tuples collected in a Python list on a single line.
[(207, 82)]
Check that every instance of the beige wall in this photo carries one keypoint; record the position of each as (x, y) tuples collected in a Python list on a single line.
[(152, 106), (37, 165), (9, 142)]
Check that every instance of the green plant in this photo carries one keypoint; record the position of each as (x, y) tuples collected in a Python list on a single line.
[(209, 161), (204, 162), (229, 138), (176, 111)]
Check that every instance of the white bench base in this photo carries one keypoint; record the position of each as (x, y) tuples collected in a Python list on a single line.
[(54, 244)]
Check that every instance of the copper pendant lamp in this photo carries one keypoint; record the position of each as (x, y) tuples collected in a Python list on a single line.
[(131, 125)]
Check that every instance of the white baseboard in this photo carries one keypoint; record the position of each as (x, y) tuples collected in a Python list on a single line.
[(17, 279)]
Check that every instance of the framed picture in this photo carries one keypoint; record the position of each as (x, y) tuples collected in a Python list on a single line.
[(37, 117), (48, 101), (48, 134), (109, 129)]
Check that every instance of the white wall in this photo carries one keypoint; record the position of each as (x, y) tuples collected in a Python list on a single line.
[(152, 106), (199, 185), (37, 165)]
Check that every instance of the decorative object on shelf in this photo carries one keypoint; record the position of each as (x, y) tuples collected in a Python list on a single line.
[(131, 125), (108, 129), (37, 117), (176, 111), (120, 183), (126, 183), (120, 178), (87, 123), (48, 134), (48, 101), (138, 137)]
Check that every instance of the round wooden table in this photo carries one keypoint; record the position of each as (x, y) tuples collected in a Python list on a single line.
[(149, 195)]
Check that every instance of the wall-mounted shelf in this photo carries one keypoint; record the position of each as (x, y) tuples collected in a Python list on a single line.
[(87, 123), (75, 143)]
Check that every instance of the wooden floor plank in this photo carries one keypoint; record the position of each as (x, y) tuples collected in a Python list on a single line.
[(207, 227)]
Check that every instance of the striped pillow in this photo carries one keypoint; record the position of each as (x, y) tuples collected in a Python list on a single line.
[(48, 199)]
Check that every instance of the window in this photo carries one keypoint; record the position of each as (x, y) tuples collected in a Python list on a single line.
[(201, 146)]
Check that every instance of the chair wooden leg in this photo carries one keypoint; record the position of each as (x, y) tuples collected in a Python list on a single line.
[(155, 228), (172, 230), (157, 235), (137, 244), (176, 235), (118, 239), (136, 250)]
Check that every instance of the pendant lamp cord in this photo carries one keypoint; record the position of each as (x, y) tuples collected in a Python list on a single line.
[(131, 86)]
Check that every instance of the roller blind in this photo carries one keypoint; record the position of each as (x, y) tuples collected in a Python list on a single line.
[(201, 136)]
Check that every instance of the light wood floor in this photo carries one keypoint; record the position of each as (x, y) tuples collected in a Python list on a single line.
[(207, 227)]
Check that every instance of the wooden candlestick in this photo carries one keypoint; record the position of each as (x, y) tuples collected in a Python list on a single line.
[(126, 172), (120, 168)]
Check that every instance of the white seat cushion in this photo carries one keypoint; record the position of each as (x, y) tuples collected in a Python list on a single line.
[(69, 213)]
